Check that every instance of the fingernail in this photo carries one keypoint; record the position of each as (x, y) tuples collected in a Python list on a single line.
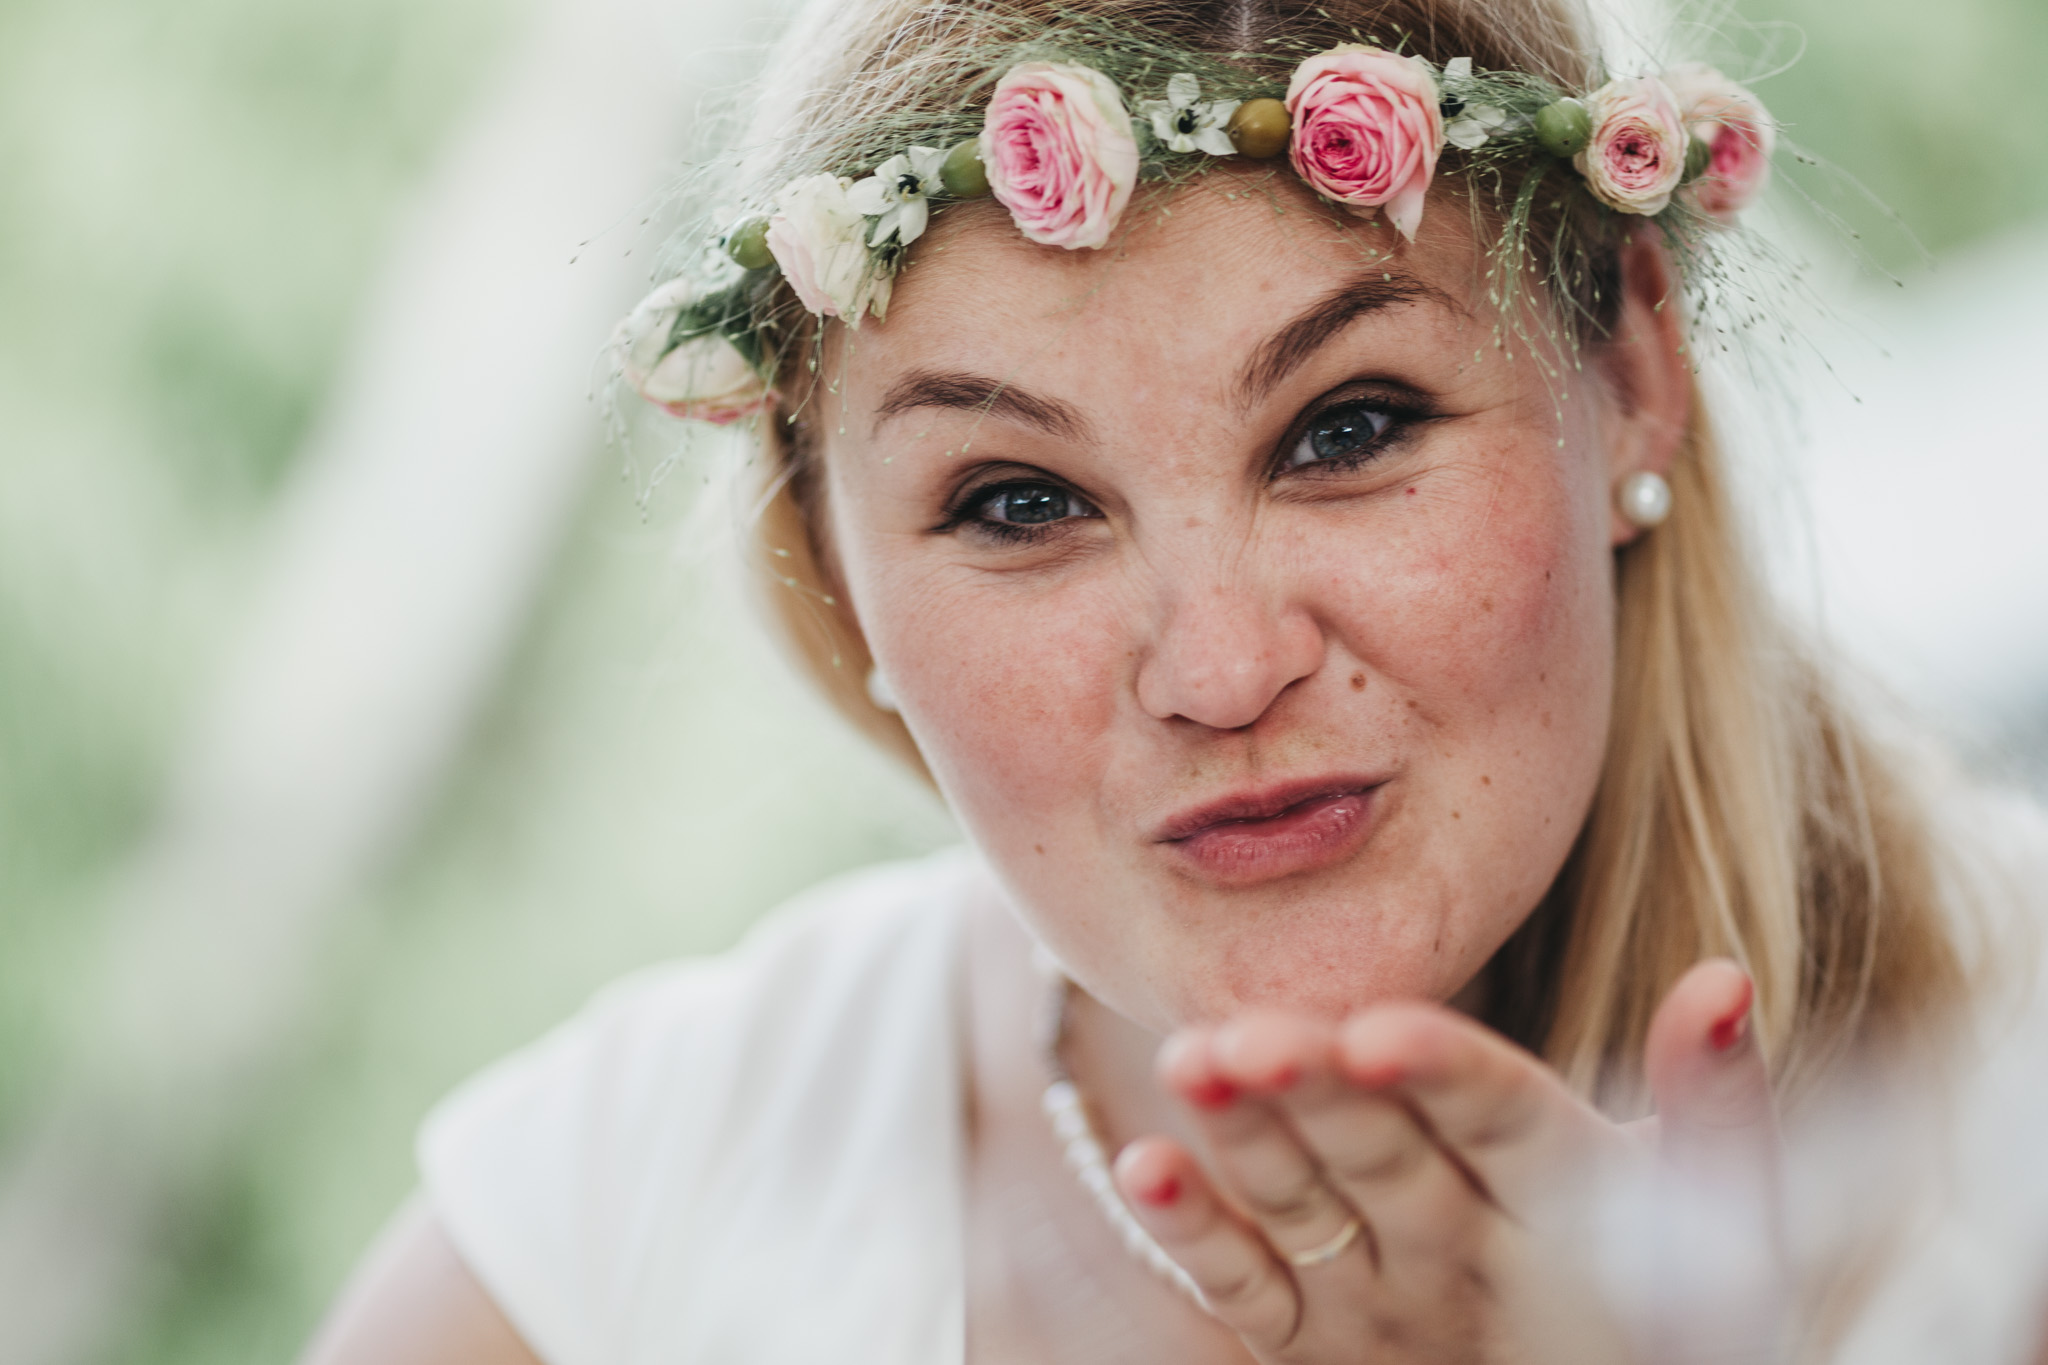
[(1377, 1075), (1732, 1030), (1213, 1094), (1163, 1193)]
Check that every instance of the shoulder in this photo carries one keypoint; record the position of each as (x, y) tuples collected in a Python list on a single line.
[(666, 1126)]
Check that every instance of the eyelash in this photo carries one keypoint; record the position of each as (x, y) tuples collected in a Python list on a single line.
[(967, 508), (1400, 418)]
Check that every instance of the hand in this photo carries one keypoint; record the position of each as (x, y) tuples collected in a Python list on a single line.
[(1449, 1148)]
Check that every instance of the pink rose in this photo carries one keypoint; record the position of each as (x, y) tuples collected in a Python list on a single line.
[(1059, 151), (1367, 129), (1739, 135), (1636, 155), (705, 378)]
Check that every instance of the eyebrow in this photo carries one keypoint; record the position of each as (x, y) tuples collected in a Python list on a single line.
[(1287, 349), (976, 393)]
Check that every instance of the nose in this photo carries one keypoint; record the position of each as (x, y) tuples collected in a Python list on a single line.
[(1225, 652)]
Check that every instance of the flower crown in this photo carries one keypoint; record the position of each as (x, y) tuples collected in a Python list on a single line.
[(1059, 148)]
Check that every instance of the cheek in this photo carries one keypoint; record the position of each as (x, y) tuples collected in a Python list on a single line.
[(1473, 610), (1491, 626), (1010, 689)]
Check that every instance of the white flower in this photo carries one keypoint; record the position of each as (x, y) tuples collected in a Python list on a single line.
[(817, 237), (1474, 124), (895, 194), (1185, 123), (1458, 69)]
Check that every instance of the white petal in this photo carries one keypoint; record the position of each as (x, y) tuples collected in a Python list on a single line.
[(1216, 113), (1215, 141), (1458, 69), (892, 170), (1465, 133), (1183, 89), (1162, 125), (911, 218), (1488, 116), (878, 294), (870, 196), (925, 163), (1180, 142)]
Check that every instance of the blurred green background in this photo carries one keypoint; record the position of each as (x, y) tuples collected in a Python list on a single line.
[(193, 198)]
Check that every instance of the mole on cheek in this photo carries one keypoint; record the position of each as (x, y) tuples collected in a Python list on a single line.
[(1358, 682)]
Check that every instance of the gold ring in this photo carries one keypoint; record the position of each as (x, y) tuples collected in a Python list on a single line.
[(1328, 1251)]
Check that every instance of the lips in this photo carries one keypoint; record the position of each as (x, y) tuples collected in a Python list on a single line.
[(1273, 832)]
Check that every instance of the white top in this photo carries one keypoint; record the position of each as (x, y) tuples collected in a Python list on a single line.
[(757, 1158), (752, 1159)]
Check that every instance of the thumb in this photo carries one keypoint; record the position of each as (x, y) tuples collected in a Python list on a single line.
[(1708, 1079)]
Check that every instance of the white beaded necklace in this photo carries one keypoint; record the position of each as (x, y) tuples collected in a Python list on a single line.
[(1073, 1125)]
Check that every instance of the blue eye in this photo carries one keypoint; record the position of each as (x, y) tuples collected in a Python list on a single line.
[(1342, 435), (1030, 504)]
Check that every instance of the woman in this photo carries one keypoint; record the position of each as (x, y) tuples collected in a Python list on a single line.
[(1248, 455)]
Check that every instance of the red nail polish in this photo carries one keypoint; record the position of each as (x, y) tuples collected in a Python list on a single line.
[(1732, 1030), (1378, 1075), (1213, 1094), (1163, 1193)]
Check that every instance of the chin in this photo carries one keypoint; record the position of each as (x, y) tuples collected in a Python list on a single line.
[(1327, 952)]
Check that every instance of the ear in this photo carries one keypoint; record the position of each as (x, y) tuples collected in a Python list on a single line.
[(1646, 373)]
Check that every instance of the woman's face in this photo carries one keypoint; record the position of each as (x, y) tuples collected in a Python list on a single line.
[(1252, 609)]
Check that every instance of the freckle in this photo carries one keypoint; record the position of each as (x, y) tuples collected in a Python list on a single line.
[(1038, 848), (1411, 705), (1456, 816), (1486, 604), (1546, 720), (1358, 682), (1485, 781)]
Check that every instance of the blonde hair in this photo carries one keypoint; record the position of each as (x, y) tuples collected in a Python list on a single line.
[(1742, 810)]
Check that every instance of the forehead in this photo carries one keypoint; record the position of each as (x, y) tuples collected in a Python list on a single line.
[(1198, 278)]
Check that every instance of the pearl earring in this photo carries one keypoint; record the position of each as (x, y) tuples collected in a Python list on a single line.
[(878, 692), (1644, 498)]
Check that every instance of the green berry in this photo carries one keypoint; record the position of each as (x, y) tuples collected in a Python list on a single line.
[(747, 244), (1259, 128), (962, 173), (1564, 127)]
